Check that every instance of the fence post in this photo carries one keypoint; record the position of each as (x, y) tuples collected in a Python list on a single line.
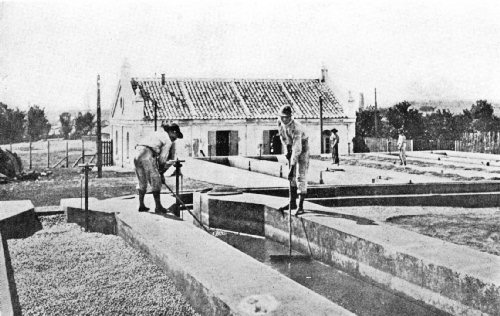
[(48, 154), (83, 150), (67, 155), (30, 154)]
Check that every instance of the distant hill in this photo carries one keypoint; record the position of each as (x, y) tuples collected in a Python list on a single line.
[(454, 106)]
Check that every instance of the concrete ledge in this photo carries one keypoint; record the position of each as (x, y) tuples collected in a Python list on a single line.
[(9, 301), (18, 219), (215, 278), (453, 278), (330, 191), (476, 199)]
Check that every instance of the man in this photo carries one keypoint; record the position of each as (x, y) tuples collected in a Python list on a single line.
[(334, 142), (152, 155), (296, 141), (402, 147)]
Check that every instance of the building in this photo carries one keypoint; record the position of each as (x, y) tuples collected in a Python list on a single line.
[(222, 117)]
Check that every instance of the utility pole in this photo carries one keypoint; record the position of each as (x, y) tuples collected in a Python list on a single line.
[(321, 121), (375, 116), (98, 132), (156, 114)]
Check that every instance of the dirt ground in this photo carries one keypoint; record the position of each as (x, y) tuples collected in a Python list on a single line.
[(65, 183)]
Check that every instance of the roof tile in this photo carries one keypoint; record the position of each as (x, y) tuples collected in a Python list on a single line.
[(216, 98)]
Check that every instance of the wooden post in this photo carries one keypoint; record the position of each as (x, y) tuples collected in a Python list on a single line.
[(67, 155), (30, 154), (83, 151), (99, 137), (375, 116), (86, 198), (48, 154), (321, 122), (178, 165), (156, 114)]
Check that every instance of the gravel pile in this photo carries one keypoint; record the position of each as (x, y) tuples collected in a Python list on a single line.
[(61, 270)]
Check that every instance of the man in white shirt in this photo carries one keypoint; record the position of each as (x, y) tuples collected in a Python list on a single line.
[(296, 141), (402, 147), (151, 161)]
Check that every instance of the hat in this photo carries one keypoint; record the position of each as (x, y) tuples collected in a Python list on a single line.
[(334, 130), (401, 130), (285, 110), (173, 127)]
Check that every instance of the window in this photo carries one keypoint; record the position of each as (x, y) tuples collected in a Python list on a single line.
[(116, 143)]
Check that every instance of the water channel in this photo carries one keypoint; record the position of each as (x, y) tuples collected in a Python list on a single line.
[(355, 295)]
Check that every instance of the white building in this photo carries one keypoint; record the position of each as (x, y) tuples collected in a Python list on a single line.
[(222, 117)]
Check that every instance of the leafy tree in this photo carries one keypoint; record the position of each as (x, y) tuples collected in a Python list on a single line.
[(365, 122), (411, 120), (11, 124), (440, 125), (483, 119), (37, 125), (84, 123), (66, 124)]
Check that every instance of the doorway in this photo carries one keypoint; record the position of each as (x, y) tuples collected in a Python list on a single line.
[(222, 143)]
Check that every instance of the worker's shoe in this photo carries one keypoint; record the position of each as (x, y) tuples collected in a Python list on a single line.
[(161, 210), (300, 209), (142, 207)]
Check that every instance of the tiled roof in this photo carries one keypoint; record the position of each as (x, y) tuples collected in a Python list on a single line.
[(182, 99)]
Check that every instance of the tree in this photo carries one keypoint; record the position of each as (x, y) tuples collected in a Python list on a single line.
[(440, 125), (365, 122), (66, 124), (37, 125), (483, 119), (11, 124), (411, 120), (84, 123)]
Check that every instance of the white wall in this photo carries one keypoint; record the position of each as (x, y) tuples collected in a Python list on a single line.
[(250, 135)]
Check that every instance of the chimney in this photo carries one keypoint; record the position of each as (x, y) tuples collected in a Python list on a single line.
[(324, 74), (162, 79)]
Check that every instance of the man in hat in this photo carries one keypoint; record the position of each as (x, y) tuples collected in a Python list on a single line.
[(151, 161), (334, 143), (296, 141), (402, 146)]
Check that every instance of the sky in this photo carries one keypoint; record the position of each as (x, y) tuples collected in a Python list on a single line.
[(51, 52)]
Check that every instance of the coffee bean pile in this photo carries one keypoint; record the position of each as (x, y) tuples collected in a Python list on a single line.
[(62, 270)]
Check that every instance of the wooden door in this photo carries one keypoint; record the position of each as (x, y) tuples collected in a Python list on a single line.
[(212, 143), (233, 143)]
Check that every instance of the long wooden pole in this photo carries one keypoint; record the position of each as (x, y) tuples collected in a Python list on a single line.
[(321, 123), (375, 116), (99, 140)]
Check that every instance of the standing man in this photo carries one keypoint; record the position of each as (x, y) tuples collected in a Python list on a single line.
[(402, 146), (296, 141), (150, 161), (334, 141)]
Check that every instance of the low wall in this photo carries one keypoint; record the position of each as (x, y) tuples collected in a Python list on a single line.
[(453, 278), (214, 277)]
